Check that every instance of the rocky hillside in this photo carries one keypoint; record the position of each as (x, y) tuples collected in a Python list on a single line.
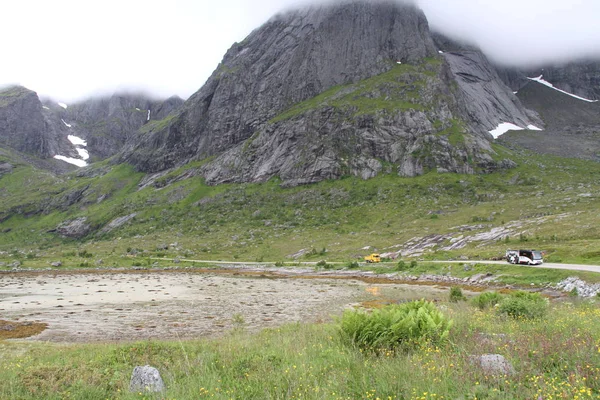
[(332, 90)]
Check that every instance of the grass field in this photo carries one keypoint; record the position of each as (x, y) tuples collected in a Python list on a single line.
[(555, 357), (546, 203)]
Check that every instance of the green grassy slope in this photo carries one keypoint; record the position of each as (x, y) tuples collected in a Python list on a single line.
[(551, 204)]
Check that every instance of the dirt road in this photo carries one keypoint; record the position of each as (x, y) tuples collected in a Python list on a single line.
[(573, 267)]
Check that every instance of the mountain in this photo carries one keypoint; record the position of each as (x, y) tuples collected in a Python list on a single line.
[(326, 91), (572, 124), (98, 127), (106, 123), (581, 78)]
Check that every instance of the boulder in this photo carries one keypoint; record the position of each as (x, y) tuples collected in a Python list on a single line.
[(493, 364), (146, 379)]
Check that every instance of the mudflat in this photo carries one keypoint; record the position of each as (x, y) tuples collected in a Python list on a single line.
[(92, 307)]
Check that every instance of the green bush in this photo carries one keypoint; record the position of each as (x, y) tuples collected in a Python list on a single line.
[(456, 294), (85, 254), (486, 300), (352, 265), (524, 305), (398, 326), (401, 266)]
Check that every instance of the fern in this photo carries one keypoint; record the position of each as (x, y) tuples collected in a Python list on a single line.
[(395, 326)]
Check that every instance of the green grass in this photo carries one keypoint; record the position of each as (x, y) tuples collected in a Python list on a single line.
[(397, 89), (556, 356), (546, 196)]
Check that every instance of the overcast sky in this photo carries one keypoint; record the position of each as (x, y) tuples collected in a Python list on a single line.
[(69, 49)]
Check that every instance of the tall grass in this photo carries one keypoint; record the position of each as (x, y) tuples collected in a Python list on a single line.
[(557, 357)]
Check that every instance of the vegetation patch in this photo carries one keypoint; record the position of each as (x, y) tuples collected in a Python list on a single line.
[(401, 326), (19, 330)]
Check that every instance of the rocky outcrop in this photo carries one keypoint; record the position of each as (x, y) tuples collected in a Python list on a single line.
[(76, 228)]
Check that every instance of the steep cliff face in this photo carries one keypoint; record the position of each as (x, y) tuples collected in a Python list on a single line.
[(292, 58), (22, 124), (408, 120), (487, 99)]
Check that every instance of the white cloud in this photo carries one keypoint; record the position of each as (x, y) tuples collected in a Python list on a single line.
[(69, 49)]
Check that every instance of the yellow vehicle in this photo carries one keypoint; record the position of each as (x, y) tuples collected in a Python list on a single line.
[(373, 258)]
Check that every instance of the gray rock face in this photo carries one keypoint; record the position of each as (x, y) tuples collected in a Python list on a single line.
[(117, 222), (293, 57), (76, 228), (488, 101), (22, 123), (146, 379)]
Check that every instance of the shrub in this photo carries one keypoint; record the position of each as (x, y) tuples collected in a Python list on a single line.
[(324, 264), (279, 264), (413, 264), (397, 326), (401, 266), (456, 294), (486, 300), (524, 305), (352, 265), (85, 254)]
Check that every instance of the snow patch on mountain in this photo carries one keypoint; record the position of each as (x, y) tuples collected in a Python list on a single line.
[(148, 119), (70, 160), (63, 105), (507, 126), (503, 128), (546, 83), (77, 141), (63, 121), (83, 153), (533, 128)]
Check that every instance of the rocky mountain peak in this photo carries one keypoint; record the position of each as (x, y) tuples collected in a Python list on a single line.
[(293, 57)]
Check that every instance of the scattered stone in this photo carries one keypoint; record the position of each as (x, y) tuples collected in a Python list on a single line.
[(581, 287), (15, 264), (99, 262), (56, 264), (493, 364), (146, 379)]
